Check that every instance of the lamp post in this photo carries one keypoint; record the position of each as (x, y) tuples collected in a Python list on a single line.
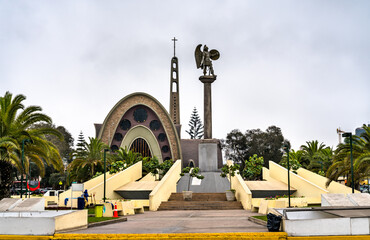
[(286, 148), (349, 134), (23, 142), (105, 157)]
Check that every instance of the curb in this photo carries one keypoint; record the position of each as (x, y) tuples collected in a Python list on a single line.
[(107, 222), (258, 221), (188, 236)]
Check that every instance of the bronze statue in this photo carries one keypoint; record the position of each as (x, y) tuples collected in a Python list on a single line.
[(203, 59)]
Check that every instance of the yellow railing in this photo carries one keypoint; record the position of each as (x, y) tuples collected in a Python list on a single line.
[(166, 186), (242, 192), (113, 181)]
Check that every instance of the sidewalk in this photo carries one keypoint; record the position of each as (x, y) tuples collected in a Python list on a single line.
[(205, 221)]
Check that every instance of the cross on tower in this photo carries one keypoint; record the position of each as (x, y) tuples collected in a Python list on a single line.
[(174, 46)]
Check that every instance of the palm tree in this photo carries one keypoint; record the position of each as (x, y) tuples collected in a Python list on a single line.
[(89, 161), (361, 159), (315, 156), (16, 123)]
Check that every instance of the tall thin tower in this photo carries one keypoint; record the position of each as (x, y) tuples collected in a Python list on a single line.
[(174, 95)]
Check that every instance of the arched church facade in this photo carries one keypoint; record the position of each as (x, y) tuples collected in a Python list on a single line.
[(140, 123)]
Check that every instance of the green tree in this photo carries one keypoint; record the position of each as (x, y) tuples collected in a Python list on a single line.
[(361, 159), (16, 123), (268, 144), (81, 146), (229, 171), (90, 161), (196, 126), (65, 147), (253, 168)]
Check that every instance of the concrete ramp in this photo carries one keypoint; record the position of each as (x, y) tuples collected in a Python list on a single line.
[(360, 199), (8, 203), (211, 183), (30, 204), (137, 190), (344, 200)]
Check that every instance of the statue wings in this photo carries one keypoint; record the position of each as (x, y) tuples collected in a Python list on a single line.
[(198, 56)]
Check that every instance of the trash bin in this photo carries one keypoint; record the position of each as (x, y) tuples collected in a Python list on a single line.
[(80, 203), (99, 210), (273, 222)]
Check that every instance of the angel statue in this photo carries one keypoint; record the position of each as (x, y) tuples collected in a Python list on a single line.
[(203, 59)]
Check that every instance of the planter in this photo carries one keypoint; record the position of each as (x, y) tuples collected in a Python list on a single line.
[(230, 196), (187, 195)]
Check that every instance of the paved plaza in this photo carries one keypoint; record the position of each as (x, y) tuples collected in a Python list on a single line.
[(207, 221)]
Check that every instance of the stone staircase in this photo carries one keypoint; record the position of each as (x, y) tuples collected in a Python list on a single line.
[(200, 201)]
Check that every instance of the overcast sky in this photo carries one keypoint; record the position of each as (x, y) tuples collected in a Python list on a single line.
[(303, 66)]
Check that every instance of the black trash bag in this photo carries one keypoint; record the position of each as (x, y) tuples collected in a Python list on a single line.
[(273, 222)]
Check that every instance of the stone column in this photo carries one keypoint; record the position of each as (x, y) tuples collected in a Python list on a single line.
[(207, 81)]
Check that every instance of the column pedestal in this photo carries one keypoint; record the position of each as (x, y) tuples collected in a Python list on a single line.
[(207, 81)]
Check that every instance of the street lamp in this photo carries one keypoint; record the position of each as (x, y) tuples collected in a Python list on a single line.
[(23, 142), (349, 134), (286, 148), (105, 157)]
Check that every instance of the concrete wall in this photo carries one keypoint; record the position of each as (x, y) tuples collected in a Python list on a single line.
[(327, 226), (165, 187), (242, 192), (304, 187), (42, 222), (113, 181), (320, 181)]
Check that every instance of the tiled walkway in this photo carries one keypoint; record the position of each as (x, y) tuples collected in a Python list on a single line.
[(206, 221)]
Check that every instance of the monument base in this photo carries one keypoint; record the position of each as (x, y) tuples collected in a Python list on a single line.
[(208, 157)]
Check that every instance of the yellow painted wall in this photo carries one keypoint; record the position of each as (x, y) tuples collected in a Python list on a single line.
[(113, 181), (266, 174), (165, 187), (319, 180), (149, 177), (76, 219), (242, 192), (304, 187)]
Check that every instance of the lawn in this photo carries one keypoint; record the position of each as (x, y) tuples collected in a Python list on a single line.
[(99, 219), (264, 217)]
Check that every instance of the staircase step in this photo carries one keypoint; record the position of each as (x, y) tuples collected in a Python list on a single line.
[(200, 205), (200, 201), (199, 197)]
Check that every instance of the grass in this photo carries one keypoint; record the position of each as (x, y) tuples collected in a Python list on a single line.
[(264, 217), (99, 219), (91, 211)]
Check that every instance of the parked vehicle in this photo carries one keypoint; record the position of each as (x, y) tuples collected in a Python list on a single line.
[(52, 193)]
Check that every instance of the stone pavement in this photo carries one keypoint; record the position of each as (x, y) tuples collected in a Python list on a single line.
[(193, 221)]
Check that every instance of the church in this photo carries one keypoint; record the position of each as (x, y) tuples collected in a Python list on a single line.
[(139, 122)]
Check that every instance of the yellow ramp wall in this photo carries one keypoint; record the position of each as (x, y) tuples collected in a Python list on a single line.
[(113, 181), (166, 186), (304, 187), (242, 192), (320, 181)]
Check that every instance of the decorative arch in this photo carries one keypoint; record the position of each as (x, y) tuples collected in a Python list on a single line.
[(144, 133), (163, 129)]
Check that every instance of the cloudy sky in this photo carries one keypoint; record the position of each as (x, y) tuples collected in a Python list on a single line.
[(303, 66)]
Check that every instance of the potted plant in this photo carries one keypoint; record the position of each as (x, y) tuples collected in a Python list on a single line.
[(230, 171), (193, 172)]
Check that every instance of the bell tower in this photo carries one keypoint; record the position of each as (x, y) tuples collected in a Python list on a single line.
[(174, 90)]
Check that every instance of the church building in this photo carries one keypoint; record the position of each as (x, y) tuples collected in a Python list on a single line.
[(139, 122)]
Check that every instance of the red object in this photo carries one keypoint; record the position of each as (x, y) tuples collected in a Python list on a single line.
[(115, 211), (33, 187)]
